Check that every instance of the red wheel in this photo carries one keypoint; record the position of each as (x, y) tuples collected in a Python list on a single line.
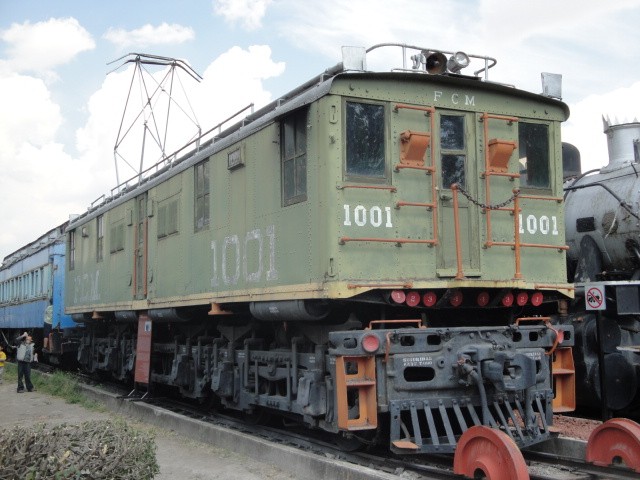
[(618, 438), (492, 452)]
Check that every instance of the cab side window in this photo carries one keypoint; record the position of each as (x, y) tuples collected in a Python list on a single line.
[(201, 194), (72, 249), (365, 142), (294, 158)]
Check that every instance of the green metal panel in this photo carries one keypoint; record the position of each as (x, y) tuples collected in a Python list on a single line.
[(257, 249), (359, 261)]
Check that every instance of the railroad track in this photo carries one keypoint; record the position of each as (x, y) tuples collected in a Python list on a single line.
[(553, 460), (541, 465)]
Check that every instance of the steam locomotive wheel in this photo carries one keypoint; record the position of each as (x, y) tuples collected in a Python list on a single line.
[(618, 438), (485, 451)]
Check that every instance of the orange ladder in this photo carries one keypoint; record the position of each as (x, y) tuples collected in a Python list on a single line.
[(564, 380), (359, 386)]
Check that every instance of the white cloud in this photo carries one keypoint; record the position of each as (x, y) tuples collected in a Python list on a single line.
[(30, 116), (40, 182), (231, 82), (43, 46), (147, 35), (247, 12), (518, 21), (577, 38), (325, 26), (584, 128), (96, 139), (234, 80)]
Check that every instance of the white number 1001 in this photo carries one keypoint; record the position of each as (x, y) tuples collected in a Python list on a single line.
[(373, 216), (544, 224)]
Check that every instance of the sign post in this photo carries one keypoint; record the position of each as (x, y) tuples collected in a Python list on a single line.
[(596, 300)]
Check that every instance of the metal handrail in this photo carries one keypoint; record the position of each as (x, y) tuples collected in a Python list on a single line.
[(170, 159), (489, 62)]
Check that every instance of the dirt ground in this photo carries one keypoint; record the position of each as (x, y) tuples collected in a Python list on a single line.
[(573, 427), (178, 457)]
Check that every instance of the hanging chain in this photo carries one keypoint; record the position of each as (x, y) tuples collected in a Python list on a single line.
[(488, 207)]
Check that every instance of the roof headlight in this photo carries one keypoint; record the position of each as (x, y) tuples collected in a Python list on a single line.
[(457, 62)]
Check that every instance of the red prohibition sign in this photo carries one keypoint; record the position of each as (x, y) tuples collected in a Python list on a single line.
[(594, 297)]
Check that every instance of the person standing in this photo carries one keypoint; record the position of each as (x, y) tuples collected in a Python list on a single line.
[(24, 356), (48, 324), (3, 358)]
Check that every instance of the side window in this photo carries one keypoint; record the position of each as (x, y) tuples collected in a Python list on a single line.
[(365, 158), (453, 150), (116, 237), (72, 249), (294, 158), (201, 194), (533, 141), (168, 217), (100, 238)]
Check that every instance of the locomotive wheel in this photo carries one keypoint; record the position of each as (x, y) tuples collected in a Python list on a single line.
[(618, 438), (483, 450), (348, 444)]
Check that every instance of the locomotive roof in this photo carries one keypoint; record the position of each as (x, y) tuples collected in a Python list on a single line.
[(52, 236), (305, 94)]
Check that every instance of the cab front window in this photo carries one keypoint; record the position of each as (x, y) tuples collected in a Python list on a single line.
[(453, 150), (533, 141)]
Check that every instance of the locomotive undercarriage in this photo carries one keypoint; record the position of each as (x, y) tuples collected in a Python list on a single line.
[(419, 387), (108, 350), (620, 346)]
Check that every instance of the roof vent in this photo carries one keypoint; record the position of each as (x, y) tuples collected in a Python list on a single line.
[(354, 58), (552, 85)]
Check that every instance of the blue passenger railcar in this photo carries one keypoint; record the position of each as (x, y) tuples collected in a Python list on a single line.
[(31, 280)]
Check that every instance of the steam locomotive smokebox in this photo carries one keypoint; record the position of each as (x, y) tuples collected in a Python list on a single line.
[(611, 335)]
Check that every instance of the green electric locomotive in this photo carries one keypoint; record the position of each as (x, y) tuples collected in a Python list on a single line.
[(380, 255)]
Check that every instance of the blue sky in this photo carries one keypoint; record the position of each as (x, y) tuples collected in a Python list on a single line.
[(60, 109)]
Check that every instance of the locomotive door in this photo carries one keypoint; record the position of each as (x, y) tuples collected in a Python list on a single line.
[(456, 164), (140, 250)]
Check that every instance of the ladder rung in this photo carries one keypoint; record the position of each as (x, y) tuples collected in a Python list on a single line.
[(357, 382)]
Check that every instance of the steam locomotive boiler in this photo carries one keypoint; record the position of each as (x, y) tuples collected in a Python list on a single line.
[(378, 255), (603, 231)]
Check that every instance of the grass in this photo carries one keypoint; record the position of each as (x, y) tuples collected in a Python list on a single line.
[(58, 384)]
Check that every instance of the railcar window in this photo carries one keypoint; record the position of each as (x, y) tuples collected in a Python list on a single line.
[(453, 150), (100, 238), (365, 140), (167, 218), (201, 192), (72, 249), (533, 141), (116, 243), (294, 158)]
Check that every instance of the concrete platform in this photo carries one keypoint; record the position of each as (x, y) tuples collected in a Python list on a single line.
[(293, 462), (186, 448)]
